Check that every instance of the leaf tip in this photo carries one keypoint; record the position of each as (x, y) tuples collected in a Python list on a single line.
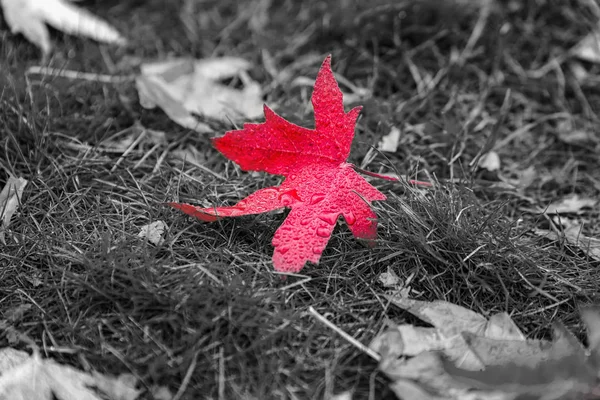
[(194, 211)]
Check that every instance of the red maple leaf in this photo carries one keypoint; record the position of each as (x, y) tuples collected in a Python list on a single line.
[(319, 185)]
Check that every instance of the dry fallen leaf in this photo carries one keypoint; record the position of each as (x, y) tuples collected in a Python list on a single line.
[(512, 367), (573, 236), (450, 322), (573, 203), (11, 358), (390, 141), (390, 279), (10, 198), (30, 17), (44, 379), (184, 87), (490, 161), (153, 232), (588, 48)]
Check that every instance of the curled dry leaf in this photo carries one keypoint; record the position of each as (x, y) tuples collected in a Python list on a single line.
[(184, 87), (30, 17), (10, 197), (449, 324), (512, 367)]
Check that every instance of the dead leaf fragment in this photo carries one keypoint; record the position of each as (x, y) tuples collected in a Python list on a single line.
[(30, 17), (44, 379), (11, 358), (574, 237), (556, 370), (588, 48), (490, 161), (347, 395), (389, 142), (390, 279), (160, 393), (10, 197), (512, 369), (153, 232), (152, 93), (450, 323), (573, 203), (184, 87), (442, 314)]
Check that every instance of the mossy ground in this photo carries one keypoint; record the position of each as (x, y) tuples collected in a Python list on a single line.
[(206, 304)]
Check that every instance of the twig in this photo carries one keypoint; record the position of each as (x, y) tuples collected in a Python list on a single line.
[(346, 336), (86, 76)]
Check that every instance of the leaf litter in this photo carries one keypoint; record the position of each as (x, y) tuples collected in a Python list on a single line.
[(449, 322), (571, 204), (389, 143), (153, 232), (30, 17), (503, 364), (184, 88), (31, 377), (572, 233), (10, 198)]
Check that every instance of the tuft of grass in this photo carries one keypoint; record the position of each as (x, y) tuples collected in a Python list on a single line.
[(204, 313)]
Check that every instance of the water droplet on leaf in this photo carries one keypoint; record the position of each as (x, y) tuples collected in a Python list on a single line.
[(316, 198), (290, 197), (323, 232), (283, 250), (305, 221), (330, 218), (350, 217)]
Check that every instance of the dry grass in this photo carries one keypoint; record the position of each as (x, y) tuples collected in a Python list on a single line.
[(207, 302)]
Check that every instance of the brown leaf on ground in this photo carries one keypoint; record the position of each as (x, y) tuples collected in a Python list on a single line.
[(30, 17), (10, 198), (572, 204), (512, 369), (572, 234), (43, 379), (184, 87), (450, 322)]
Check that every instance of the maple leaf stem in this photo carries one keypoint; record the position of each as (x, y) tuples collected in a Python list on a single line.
[(391, 178)]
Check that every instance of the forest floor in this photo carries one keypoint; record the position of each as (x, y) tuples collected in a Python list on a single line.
[(205, 307)]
